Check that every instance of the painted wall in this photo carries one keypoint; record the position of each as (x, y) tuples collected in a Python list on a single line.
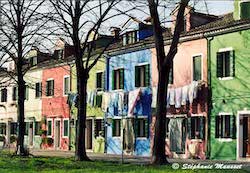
[(56, 106), (183, 75), (230, 96), (128, 62)]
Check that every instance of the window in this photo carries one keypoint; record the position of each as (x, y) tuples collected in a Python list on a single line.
[(13, 128), (171, 74), (99, 127), (14, 94), (50, 88), (116, 128), (197, 128), (225, 126), (66, 85), (141, 127), (100, 80), (65, 128), (142, 75), (118, 79), (2, 129), (26, 92), (197, 68), (49, 132), (4, 95), (37, 128), (225, 64), (38, 89), (130, 37), (58, 54), (26, 132), (33, 61)]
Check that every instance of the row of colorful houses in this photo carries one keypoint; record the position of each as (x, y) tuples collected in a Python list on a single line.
[(208, 94)]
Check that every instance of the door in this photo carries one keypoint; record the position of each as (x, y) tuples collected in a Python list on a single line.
[(246, 136), (88, 134), (31, 134), (57, 134)]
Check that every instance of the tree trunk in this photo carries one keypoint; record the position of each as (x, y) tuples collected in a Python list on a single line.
[(82, 78), (20, 109), (164, 64)]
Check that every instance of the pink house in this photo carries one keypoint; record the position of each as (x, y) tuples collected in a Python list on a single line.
[(56, 85), (187, 109)]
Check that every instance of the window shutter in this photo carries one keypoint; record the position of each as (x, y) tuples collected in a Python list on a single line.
[(103, 80), (233, 127), (137, 75), (219, 64), (121, 79), (95, 127), (147, 127), (189, 127), (197, 71), (232, 63), (113, 80), (147, 75), (52, 87), (113, 127), (136, 127), (202, 127), (217, 126)]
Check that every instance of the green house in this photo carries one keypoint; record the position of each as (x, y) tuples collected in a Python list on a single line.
[(229, 65)]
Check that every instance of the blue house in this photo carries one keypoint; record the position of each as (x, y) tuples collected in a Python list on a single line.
[(128, 96)]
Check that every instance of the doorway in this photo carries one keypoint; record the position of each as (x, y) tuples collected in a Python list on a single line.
[(57, 134), (31, 134), (246, 137), (89, 134)]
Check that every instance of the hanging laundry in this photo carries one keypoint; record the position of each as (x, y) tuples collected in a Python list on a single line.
[(146, 101), (178, 92), (168, 98), (120, 102), (192, 91), (154, 97), (176, 135), (125, 103), (184, 95), (105, 101), (133, 97), (113, 104), (171, 96)]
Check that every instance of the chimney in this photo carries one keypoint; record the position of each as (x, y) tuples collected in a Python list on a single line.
[(115, 31), (241, 9)]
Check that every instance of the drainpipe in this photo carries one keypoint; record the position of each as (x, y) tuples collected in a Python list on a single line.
[(209, 99)]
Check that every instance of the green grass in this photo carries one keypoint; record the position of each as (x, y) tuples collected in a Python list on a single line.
[(63, 165)]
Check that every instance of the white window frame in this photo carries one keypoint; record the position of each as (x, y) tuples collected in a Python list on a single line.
[(143, 118), (192, 65), (65, 119), (119, 68), (49, 79), (225, 50), (224, 139), (66, 76), (140, 65), (51, 120)]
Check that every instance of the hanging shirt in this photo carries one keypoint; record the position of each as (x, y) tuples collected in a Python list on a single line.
[(133, 96), (154, 97), (171, 96), (184, 95), (178, 92)]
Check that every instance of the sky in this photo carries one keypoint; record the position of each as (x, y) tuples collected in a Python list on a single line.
[(219, 7)]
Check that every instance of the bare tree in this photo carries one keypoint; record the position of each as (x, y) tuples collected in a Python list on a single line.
[(81, 22), (164, 64), (21, 27)]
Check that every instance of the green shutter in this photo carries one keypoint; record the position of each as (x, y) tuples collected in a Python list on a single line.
[(146, 127), (202, 127), (233, 127), (189, 122), (103, 80), (137, 76), (197, 68), (232, 63), (113, 80), (52, 87), (147, 75), (217, 126), (219, 68), (121, 79)]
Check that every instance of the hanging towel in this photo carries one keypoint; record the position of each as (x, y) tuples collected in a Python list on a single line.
[(192, 91), (178, 92), (105, 101), (171, 96), (195, 83), (184, 95), (133, 97), (120, 102), (176, 139), (154, 97)]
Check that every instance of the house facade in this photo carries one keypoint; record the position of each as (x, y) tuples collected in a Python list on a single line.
[(230, 108)]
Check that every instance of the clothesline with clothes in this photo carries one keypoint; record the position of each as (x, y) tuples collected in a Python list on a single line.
[(179, 96)]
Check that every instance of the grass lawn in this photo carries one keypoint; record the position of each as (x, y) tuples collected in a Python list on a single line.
[(56, 165)]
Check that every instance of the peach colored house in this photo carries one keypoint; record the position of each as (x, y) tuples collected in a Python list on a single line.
[(54, 105)]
